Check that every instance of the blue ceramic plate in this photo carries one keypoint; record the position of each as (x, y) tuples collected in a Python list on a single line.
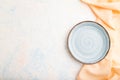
[(88, 42)]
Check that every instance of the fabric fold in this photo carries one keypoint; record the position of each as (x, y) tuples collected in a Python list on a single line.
[(107, 13)]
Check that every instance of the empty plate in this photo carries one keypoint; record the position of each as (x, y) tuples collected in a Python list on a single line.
[(88, 42)]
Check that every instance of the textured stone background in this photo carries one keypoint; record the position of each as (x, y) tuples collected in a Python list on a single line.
[(33, 37)]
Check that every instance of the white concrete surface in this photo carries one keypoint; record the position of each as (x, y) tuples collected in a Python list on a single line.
[(33, 37)]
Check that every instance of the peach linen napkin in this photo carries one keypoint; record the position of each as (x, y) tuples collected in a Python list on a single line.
[(107, 13)]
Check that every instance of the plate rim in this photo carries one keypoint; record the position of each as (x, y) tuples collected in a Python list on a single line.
[(106, 34)]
